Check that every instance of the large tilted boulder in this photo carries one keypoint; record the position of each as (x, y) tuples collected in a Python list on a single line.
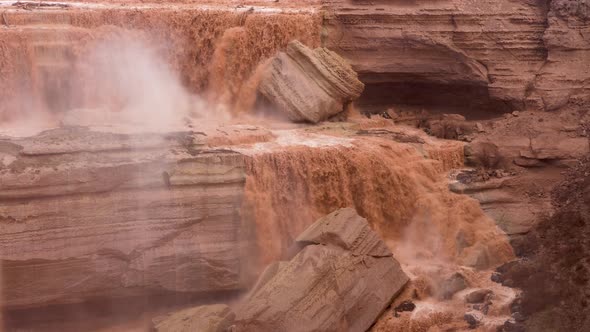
[(309, 85), (342, 280)]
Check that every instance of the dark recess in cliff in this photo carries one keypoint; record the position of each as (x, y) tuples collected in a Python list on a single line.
[(472, 101)]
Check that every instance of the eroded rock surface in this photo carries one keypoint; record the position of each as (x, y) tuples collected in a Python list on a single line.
[(342, 280), (86, 213), (309, 85), (208, 318), (494, 55)]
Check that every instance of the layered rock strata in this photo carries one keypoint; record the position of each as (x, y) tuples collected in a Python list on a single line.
[(309, 85), (89, 214), (494, 55)]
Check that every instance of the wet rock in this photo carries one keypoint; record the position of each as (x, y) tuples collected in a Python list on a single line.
[(478, 296), (473, 318), (483, 307), (209, 318), (347, 230), (518, 317), (451, 285), (477, 257), (341, 280), (405, 306), (309, 85), (511, 326)]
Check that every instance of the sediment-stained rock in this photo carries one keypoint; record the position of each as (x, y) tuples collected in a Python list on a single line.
[(86, 214), (342, 280), (309, 85)]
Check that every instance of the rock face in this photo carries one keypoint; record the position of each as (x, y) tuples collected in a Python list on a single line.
[(564, 77), (309, 85), (342, 280), (491, 54), (208, 318), (85, 213)]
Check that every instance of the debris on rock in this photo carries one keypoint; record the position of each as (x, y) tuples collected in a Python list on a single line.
[(309, 85), (483, 307)]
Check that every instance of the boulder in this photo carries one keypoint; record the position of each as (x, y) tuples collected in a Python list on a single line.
[(309, 85), (451, 285), (473, 318), (207, 318), (341, 280), (347, 230), (478, 296)]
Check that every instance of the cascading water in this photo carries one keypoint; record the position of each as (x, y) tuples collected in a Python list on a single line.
[(214, 51), (293, 177), (402, 194)]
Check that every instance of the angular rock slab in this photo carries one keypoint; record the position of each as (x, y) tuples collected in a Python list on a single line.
[(346, 229), (337, 285), (309, 85), (207, 318)]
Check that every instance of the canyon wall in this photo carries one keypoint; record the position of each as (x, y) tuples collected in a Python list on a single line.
[(477, 57), (494, 56), (86, 214), (565, 77)]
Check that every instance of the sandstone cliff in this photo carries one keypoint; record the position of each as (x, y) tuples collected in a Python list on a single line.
[(88, 214), (494, 55)]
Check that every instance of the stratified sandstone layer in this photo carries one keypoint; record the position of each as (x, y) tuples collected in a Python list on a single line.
[(565, 76), (85, 214), (309, 85), (490, 49), (488, 54)]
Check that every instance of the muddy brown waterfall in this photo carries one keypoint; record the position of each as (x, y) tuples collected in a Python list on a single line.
[(292, 165)]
